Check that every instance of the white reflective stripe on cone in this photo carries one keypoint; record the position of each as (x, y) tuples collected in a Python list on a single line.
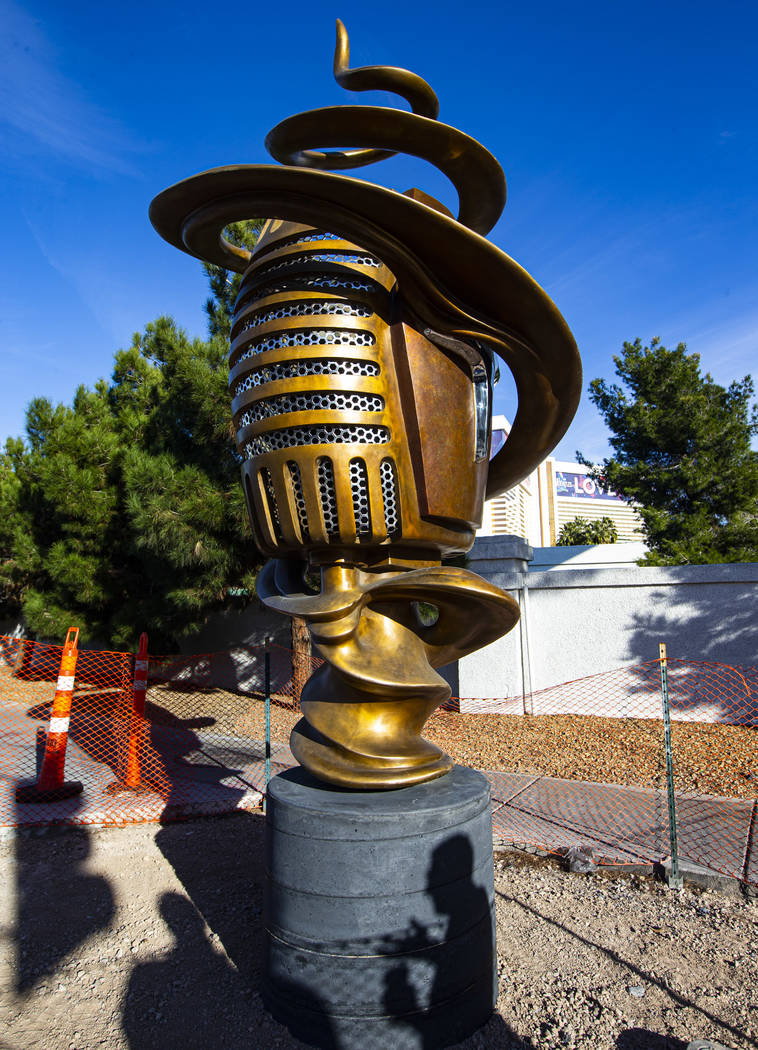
[(59, 725), (65, 683)]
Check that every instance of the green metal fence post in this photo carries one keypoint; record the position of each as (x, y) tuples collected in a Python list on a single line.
[(674, 878), (267, 704)]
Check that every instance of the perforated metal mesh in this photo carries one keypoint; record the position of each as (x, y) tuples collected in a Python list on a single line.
[(317, 235), (321, 366), (306, 238), (297, 490), (268, 488), (308, 282), (326, 434), (390, 497), (309, 337), (306, 308), (311, 401), (361, 502), (328, 494), (344, 258)]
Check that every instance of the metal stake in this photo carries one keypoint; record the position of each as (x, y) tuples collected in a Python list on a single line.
[(674, 878), (267, 707)]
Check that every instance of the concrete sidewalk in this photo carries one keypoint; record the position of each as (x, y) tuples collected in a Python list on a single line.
[(625, 824)]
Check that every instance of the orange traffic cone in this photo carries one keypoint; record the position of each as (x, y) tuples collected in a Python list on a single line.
[(50, 785), (135, 745)]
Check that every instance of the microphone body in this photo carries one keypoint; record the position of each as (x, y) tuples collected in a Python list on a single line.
[(359, 434)]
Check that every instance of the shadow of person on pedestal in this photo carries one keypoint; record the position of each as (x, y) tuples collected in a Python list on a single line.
[(462, 958)]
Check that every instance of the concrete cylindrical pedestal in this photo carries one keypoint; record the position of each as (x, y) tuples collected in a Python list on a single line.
[(379, 911)]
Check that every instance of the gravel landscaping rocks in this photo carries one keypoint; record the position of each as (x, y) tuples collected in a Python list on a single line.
[(149, 938), (709, 759)]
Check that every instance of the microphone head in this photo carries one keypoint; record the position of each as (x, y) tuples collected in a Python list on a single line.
[(361, 436)]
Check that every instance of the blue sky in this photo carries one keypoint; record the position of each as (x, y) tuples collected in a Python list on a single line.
[(627, 134)]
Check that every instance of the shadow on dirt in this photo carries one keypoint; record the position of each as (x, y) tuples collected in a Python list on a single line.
[(58, 903), (191, 995), (677, 998), (219, 862), (643, 1039), (204, 990)]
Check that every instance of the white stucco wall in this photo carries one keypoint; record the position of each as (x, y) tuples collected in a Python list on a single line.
[(587, 620)]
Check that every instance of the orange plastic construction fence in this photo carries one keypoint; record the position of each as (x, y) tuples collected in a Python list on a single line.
[(584, 767)]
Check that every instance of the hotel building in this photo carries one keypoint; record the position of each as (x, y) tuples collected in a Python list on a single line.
[(555, 493)]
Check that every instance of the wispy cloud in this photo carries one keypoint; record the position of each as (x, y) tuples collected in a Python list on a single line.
[(41, 108), (30, 354), (729, 348), (96, 287), (723, 330)]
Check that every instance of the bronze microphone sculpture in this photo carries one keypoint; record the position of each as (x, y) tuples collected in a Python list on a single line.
[(365, 343)]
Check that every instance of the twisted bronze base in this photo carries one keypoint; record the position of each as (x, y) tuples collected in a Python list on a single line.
[(364, 710)]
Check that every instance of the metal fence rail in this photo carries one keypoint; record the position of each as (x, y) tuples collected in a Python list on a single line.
[(586, 770)]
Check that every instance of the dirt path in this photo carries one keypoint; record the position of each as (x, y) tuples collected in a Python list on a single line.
[(149, 938)]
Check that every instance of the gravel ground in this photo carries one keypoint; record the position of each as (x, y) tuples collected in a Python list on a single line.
[(708, 759), (149, 937)]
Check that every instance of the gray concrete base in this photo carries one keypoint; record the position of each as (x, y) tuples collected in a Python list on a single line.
[(379, 911), (693, 874)]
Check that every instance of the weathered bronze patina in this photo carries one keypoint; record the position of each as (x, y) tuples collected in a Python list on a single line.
[(364, 349)]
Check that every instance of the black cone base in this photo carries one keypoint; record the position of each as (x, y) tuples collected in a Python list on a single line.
[(30, 792)]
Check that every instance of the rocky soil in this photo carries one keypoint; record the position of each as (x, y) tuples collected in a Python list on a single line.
[(149, 937), (708, 759)]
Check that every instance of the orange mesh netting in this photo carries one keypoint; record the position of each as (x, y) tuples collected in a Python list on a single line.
[(581, 764)]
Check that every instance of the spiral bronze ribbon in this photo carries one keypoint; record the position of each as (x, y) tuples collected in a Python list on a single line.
[(458, 284)]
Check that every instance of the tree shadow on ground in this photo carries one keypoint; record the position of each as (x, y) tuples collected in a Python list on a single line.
[(58, 903), (175, 762), (643, 1039), (189, 996), (219, 862), (205, 990)]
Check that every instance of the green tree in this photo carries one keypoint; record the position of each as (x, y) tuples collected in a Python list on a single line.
[(581, 532), (16, 548), (682, 454), (125, 512), (225, 285)]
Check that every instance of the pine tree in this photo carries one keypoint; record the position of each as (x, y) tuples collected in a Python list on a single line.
[(17, 553), (682, 454), (224, 284), (125, 512)]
